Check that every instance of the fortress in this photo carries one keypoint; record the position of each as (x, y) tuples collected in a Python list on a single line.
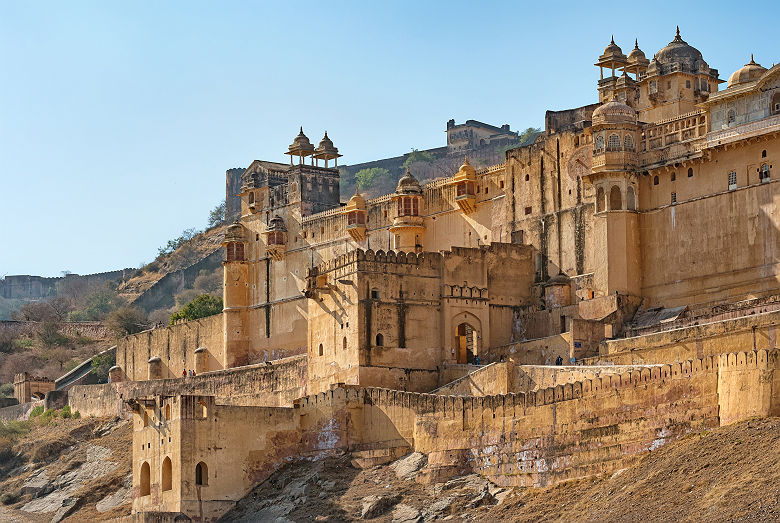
[(605, 290)]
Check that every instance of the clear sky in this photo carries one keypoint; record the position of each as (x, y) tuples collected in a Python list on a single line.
[(119, 119)]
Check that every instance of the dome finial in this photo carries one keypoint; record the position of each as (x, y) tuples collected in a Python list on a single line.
[(613, 39), (301, 129), (466, 161), (678, 32), (636, 43), (751, 59)]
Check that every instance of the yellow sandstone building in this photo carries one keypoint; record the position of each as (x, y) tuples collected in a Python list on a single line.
[(606, 289)]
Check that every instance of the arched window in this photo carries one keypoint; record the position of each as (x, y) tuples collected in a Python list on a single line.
[(321, 350), (599, 199), (613, 144), (763, 153), (380, 340), (201, 474), (146, 477), (599, 142), (690, 172), (628, 143), (167, 474), (251, 198), (630, 199), (763, 175), (615, 199), (655, 180), (732, 116), (345, 343), (203, 410), (167, 412)]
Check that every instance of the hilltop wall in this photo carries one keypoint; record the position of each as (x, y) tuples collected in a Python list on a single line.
[(161, 294)]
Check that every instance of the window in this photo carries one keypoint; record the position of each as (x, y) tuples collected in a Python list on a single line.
[(690, 172), (655, 180), (615, 199), (628, 143), (630, 199), (669, 84), (321, 350), (653, 87), (674, 198), (674, 176), (146, 418), (613, 144), (201, 475), (501, 184), (763, 175), (251, 198), (380, 340), (687, 84), (167, 412), (599, 143), (732, 181), (599, 199), (763, 153), (775, 103), (527, 177), (145, 479), (345, 343), (203, 410), (235, 251), (167, 474), (732, 116), (528, 210), (374, 294)]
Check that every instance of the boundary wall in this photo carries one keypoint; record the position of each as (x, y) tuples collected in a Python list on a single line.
[(277, 384), (175, 345)]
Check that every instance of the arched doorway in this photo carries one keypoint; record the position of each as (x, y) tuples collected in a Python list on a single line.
[(467, 345)]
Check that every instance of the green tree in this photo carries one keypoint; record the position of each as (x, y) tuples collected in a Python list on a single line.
[(366, 177), (202, 306), (218, 215), (126, 320), (101, 365)]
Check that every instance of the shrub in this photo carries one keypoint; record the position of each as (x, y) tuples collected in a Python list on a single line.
[(101, 365), (76, 415), (9, 498), (37, 411), (202, 306), (65, 413), (126, 320), (7, 390)]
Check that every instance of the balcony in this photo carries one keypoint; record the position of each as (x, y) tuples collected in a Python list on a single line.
[(741, 132)]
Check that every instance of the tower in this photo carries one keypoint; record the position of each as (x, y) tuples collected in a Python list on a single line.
[(408, 227), (236, 296), (613, 175)]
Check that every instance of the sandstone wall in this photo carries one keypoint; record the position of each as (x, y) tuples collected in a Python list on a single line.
[(175, 345), (749, 332), (749, 385), (262, 384)]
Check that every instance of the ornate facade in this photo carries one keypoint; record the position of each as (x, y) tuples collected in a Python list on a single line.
[(654, 209)]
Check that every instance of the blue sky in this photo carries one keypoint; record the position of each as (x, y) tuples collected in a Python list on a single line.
[(119, 119)]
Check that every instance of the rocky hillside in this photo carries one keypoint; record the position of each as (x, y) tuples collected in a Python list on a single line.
[(184, 256), (79, 470)]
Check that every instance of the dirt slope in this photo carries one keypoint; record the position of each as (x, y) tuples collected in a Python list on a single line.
[(731, 473)]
